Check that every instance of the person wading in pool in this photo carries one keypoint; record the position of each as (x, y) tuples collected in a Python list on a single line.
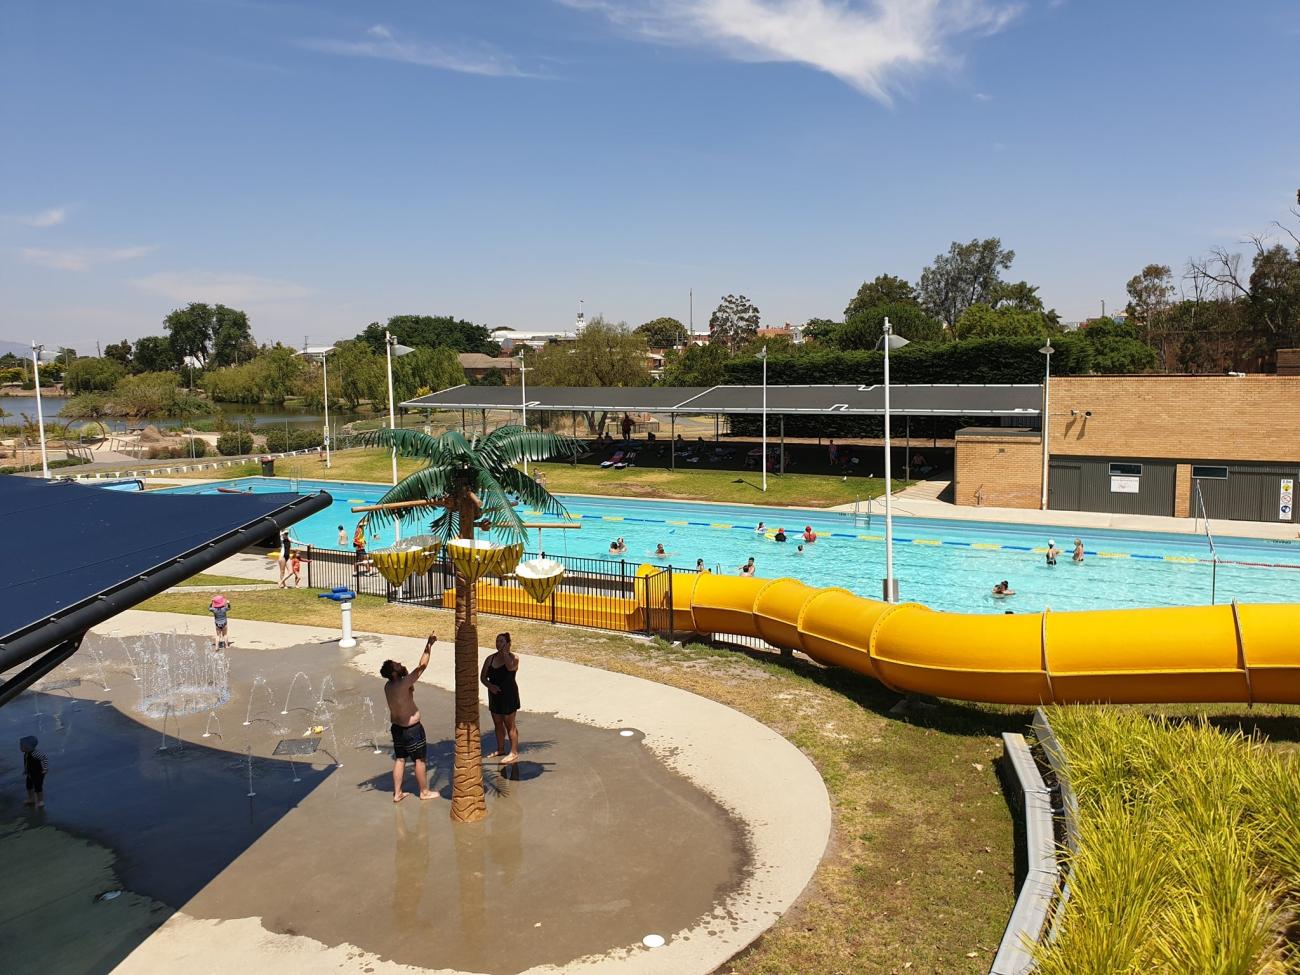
[(408, 732), (498, 676)]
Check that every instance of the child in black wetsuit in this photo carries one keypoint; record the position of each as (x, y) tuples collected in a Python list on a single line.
[(35, 765), (498, 676)]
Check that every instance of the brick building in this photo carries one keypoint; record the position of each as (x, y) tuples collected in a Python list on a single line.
[(1147, 445)]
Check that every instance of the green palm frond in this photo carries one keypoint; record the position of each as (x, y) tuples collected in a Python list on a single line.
[(419, 446), (531, 493), (509, 445)]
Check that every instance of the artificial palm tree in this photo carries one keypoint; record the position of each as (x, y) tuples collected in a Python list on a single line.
[(470, 481)]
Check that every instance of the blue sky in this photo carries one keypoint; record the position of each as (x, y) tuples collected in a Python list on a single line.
[(326, 164)]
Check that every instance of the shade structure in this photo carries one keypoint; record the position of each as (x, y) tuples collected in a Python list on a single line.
[(409, 557), (539, 577), (80, 555)]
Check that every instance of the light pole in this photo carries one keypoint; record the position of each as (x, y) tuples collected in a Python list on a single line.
[(40, 413), (393, 348), (523, 392), (888, 340), (1047, 351), (322, 352), (762, 354)]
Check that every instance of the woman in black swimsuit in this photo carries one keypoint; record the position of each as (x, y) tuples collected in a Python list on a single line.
[(498, 676)]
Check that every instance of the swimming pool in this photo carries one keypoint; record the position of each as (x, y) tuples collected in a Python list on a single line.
[(948, 565)]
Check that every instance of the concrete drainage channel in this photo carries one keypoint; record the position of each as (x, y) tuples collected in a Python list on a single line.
[(1045, 888)]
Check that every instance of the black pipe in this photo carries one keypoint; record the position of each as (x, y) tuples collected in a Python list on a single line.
[(15, 685), (72, 624)]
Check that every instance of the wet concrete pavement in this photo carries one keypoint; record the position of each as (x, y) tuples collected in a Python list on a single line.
[(591, 844)]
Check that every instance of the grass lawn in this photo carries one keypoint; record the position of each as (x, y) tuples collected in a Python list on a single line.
[(205, 579), (745, 487), (919, 869)]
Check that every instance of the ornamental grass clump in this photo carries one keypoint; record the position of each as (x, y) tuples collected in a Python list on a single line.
[(1189, 850)]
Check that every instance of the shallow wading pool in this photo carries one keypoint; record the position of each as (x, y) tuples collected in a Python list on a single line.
[(947, 565)]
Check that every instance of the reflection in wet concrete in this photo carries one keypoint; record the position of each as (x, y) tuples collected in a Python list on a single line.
[(590, 841)]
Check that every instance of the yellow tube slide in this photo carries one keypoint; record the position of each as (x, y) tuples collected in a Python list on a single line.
[(1196, 653)]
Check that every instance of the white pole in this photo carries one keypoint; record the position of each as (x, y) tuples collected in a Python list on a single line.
[(325, 369), (40, 414), (890, 596), (1047, 398), (523, 393), (763, 355), (392, 408)]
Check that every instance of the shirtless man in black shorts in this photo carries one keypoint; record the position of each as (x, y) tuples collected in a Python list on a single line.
[(408, 732)]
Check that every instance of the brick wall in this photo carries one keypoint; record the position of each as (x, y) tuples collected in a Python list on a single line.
[(1288, 362), (1005, 472), (1189, 418), (1182, 490)]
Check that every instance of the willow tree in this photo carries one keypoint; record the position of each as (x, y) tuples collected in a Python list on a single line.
[(469, 482)]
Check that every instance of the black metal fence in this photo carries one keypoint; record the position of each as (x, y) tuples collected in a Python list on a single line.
[(601, 593)]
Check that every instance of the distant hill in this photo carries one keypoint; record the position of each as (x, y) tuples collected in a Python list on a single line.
[(15, 348)]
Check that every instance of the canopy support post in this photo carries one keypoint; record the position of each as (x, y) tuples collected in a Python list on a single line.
[(672, 441), (781, 468), (907, 452)]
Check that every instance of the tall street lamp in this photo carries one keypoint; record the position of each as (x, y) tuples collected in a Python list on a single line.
[(523, 394), (762, 354), (888, 340), (393, 348), (1047, 351), (322, 352), (40, 414)]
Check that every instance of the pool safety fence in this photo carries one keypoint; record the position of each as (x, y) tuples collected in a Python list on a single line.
[(606, 594)]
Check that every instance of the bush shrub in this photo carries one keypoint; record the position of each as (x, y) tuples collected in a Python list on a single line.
[(180, 451), (279, 440), (234, 442)]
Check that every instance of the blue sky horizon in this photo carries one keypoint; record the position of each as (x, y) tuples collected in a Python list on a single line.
[(324, 165)]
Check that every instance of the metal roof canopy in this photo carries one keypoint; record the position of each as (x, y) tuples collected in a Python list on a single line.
[(928, 400), (80, 555)]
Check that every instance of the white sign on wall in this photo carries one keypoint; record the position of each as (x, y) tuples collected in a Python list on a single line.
[(1125, 484), (1285, 499)]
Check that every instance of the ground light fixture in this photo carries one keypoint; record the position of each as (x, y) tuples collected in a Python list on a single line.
[(1047, 351), (888, 340)]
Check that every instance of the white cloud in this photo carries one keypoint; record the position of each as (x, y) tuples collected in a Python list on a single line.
[(81, 258), (382, 42), (230, 289), (46, 218), (867, 44)]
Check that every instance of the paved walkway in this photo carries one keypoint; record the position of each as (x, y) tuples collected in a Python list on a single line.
[(762, 781)]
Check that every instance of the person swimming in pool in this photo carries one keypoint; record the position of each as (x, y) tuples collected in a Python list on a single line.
[(760, 529), (699, 566), (749, 568), (618, 546), (1053, 553), (1003, 589), (799, 550), (779, 536), (660, 553), (1078, 551), (809, 535)]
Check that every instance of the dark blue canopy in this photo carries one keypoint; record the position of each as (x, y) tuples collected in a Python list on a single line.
[(77, 555)]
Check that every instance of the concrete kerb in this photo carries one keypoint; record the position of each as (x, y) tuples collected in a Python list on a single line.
[(774, 789)]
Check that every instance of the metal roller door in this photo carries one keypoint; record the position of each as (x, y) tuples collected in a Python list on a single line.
[(1246, 492), (1116, 485)]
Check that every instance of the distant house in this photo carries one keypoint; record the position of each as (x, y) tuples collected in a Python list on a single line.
[(477, 365), (787, 331)]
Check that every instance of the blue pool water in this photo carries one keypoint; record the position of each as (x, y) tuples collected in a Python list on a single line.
[(947, 565)]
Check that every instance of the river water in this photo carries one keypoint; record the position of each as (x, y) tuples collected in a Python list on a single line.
[(262, 416)]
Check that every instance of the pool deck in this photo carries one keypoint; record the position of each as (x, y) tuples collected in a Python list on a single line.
[(313, 887)]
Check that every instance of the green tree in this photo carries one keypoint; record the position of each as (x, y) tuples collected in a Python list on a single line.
[(425, 371), (604, 354), (119, 352), (1150, 297), (696, 365), (981, 322), (431, 331), (232, 337), (1117, 347), (154, 353), (819, 329), (93, 375), (190, 331), (663, 333), (864, 329), (468, 480), (358, 374), (733, 322), (969, 274), (884, 289)]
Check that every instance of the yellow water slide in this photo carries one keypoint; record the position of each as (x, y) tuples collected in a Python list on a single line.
[(1196, 653)]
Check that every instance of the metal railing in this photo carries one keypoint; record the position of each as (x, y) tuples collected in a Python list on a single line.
[(1214, 552), (603, 594)]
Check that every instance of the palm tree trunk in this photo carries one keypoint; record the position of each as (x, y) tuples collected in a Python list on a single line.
[(467, 802)]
